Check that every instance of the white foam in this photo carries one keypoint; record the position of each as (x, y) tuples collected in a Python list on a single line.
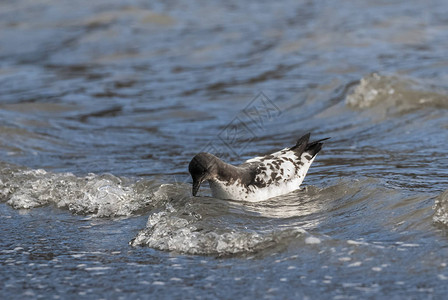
[(97, 268), (441, 209), (395, 93), (442, 277), (186, 232), (312, 240), (355, 264), (99, 195), (345, 258)]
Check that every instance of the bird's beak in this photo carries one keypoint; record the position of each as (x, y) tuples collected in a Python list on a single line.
[(196, 185)]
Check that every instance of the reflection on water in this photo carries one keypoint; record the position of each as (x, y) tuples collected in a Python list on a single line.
[(103, 104)]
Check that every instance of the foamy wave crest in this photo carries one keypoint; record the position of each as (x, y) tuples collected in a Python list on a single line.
[(441, 209), (396, 94), (185, 231), (100, 195), (209, 226)]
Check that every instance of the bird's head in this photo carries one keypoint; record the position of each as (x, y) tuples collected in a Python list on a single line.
[(202, 167)]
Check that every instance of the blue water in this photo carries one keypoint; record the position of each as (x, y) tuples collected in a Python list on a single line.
[(104, 103)]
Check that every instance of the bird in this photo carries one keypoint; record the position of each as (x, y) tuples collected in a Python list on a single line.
[(258, 178)]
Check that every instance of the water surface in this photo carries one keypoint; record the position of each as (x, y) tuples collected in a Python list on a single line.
[(104, 103)]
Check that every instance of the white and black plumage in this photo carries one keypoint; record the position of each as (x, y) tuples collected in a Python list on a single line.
[(258, 178)]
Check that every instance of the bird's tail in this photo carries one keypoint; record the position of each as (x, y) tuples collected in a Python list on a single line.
[(303, 145), (314, 147)]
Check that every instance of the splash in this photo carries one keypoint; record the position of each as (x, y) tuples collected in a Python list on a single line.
[(209, 226), (185, 231), (98, 195), (441, 209)]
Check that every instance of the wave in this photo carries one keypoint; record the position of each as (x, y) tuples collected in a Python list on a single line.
[(184, 230), (98, 195), (441, 209), (395, 94), (209, 226), (181, 223)]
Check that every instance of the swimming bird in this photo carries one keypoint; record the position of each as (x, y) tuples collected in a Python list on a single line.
[(259, 178)]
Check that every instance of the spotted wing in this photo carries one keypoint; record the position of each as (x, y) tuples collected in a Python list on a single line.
[(275, 168)]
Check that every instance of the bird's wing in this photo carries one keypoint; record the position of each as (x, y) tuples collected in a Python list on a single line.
[(273, 168), (283, 165)]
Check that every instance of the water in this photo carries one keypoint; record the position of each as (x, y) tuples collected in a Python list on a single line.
[(104, 103)]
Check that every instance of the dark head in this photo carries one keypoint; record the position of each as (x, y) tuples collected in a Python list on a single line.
[(202, 167)]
